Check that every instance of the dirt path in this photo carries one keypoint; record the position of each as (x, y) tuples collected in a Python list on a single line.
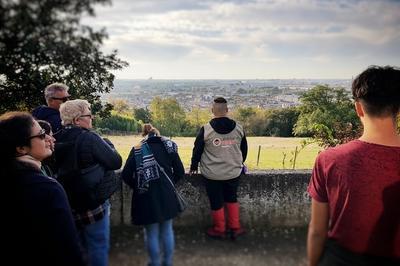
[(279, 247)]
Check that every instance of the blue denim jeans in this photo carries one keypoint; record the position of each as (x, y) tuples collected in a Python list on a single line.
[(156, 235), (96, 239)]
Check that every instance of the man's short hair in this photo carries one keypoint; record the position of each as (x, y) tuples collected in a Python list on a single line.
[(51, 90), (220, 106), (378, 89), (220, 100), (72, 109)]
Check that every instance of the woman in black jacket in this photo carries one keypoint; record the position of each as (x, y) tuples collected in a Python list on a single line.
[(39, 228), (84, 159), (154, 202)]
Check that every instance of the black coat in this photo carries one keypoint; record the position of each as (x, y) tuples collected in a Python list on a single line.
[(50, 115), (159, 203), (39, 227), (92, 150)]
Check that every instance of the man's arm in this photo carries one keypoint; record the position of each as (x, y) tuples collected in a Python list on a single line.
[(317, 231), (197, 151)]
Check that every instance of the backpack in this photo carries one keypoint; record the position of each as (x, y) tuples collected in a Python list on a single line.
[(86, 188)]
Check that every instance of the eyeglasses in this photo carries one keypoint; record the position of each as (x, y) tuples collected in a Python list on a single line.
[(41, 135), (63, 99), (88, 115)]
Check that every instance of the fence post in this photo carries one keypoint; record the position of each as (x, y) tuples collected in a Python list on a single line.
[(294, 158), (258, 155)]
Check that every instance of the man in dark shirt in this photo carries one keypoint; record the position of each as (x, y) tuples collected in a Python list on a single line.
[(55, 94), (221, 149)]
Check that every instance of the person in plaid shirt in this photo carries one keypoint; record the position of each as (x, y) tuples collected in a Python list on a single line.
[(91, 217)]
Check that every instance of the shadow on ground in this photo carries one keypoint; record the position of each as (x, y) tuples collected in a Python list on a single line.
[(284, 247)]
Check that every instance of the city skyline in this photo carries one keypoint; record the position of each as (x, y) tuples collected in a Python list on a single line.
[(237, 39)]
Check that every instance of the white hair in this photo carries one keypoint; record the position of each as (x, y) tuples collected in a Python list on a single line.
[(72, 109)]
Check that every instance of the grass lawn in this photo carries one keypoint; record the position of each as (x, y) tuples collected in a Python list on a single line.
[(271, 153)]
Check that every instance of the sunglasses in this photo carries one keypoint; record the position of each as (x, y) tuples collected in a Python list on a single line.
[(41, 135), (63, 99)]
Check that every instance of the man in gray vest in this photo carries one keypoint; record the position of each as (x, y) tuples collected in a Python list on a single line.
[(221, 149)]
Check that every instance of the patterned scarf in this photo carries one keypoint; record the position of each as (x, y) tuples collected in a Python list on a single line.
[(146, 164)]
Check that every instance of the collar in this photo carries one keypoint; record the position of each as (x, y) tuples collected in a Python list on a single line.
[(28, 159)]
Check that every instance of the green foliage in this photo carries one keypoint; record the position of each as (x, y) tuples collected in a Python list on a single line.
[(280, 122), (195, 119), (168, 116), (259, 122), (252, 119), (142, 114), (328, 115), (116, 122), (41, 42), (121, 106)]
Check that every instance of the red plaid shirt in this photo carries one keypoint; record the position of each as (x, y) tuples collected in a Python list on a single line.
[(89, 217)]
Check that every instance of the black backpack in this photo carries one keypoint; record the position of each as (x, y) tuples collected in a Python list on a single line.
[(86, 188)]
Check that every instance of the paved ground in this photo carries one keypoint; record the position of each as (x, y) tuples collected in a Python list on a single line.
[(285, 247)]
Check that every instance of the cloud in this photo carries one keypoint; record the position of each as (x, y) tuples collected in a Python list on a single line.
[(255, 33)]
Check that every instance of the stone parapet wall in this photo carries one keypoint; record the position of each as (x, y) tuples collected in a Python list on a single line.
[(274, 198)]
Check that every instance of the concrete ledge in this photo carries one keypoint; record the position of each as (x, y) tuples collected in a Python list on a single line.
[(268, 199)]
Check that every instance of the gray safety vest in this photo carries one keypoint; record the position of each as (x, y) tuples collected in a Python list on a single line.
[(222, 158)]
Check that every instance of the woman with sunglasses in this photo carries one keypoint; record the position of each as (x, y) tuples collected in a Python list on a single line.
[(78, 149), (48, 164), (39, 227)]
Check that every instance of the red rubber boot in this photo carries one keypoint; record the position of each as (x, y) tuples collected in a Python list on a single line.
[(233, 220), (218, 230)]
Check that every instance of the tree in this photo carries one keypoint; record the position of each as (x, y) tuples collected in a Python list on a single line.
[(196, 118), (252, 119), (167, 115), (328, 115), (120, 106), (142, 114), (41, 42), (280, 122), (243, 116), (117, 122)]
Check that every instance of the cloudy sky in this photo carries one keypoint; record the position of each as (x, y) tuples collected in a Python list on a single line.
[(238, 39)]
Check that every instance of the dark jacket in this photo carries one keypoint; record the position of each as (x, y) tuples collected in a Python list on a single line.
[(50, 115), (159, 203), (92, 150), (39, 224), (222, 125)]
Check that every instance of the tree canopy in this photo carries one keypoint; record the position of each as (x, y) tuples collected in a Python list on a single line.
[(41, 42), (167, 115), (142, 114), (280, 122), (252, 119), (328, 115)]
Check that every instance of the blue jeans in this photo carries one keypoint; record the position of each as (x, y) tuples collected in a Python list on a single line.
[(154, 235), (96, 239)]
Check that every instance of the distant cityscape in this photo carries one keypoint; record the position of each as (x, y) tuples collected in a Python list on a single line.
[(268, 93)]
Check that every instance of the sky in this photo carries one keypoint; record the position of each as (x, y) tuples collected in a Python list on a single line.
[(253, 39)]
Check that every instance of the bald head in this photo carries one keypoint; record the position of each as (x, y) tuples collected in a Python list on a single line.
[(220, 107)]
